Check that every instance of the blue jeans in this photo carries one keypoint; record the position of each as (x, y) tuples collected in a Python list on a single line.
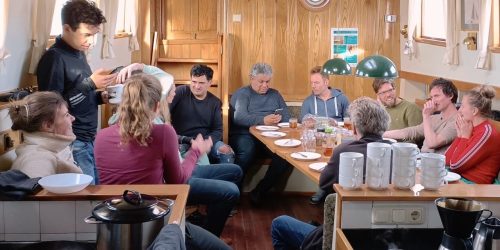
[(217, 157), (245, 147), (215, 186), (83, 153), (288, 232), (198, 238)]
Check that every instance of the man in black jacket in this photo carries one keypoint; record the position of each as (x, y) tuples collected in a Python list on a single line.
[(370, 121), (64, 69)]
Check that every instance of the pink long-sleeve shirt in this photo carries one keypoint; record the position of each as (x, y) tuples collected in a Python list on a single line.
[(130, 163)]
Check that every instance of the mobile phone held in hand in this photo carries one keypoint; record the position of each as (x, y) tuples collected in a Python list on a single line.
[(278, 111), (116, 70)]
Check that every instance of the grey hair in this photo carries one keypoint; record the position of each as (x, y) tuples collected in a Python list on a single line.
[(368, 116), (261, 68)]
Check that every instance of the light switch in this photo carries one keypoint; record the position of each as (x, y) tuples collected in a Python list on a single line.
[(381, 216), (398, 215), (237, 18)]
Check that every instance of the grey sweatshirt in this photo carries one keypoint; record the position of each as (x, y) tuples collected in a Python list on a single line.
[(335, 107)]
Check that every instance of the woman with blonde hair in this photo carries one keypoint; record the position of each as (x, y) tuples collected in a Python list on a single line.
[(45, 123), (474, 153), (136, 151)]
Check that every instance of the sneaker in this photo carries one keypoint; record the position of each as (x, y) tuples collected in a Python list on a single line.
[(318, 197)]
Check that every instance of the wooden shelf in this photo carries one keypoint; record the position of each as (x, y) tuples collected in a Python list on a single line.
[(186, 60)]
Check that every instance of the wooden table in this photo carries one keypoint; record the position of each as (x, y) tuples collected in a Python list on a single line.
[(178, 193), (285, 152)]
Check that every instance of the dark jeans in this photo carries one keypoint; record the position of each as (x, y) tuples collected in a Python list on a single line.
[(246, 149), (215, 186), (83, 154), (198, 238), (288, 232)]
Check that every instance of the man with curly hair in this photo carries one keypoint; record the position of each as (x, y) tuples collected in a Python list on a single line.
[(64, 69)]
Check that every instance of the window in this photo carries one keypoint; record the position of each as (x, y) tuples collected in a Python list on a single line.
[(496, 27), (124, 16), (432, 28), (56, 28)]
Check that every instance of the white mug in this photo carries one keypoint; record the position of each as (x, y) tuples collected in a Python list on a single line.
[(115, 93), (433, 160), (351, 164), (434, 172), (350, 183), (433, 183), (378, 165), (400, 149), (402, 182)]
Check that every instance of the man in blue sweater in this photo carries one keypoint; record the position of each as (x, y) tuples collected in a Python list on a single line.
[(195, 111), (64, 69), (255, 104)]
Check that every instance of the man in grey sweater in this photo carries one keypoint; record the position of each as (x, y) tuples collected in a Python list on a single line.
[(256, 104)]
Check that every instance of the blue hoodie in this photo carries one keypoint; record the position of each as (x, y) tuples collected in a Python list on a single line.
[(335, 107)]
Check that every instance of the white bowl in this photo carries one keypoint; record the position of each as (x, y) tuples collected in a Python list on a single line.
[(65, 183)]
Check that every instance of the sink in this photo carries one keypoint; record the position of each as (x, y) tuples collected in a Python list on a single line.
[(394, 238)]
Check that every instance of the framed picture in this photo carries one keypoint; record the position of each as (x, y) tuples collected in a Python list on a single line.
[(471, 13)]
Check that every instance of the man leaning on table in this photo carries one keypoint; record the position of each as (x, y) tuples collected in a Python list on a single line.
[(255, 104), (437, 130)]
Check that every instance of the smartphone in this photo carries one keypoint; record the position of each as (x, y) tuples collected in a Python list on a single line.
[(116, 70), (278, 111)]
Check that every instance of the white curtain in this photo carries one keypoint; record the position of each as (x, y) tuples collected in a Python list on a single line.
[(42, 11), (414, 20), (451, 54), (483, 59), (133, 44), (4, 54), (110, 9)]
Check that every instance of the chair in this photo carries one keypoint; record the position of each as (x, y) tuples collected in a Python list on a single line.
[(328, 220)]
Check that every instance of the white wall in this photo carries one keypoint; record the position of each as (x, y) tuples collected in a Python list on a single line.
[(428, 62)]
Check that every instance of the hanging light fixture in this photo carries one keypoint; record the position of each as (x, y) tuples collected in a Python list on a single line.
[(336, 66), (376, 66)]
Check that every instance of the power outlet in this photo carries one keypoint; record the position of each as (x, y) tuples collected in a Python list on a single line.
[(9, 140), (399, 215)]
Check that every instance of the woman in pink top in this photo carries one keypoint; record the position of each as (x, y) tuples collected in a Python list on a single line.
[(136, 151)]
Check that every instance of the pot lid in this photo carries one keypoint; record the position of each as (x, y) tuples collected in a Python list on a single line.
[(131, 207)]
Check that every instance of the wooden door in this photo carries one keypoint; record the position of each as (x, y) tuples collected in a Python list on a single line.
[(179, 19)]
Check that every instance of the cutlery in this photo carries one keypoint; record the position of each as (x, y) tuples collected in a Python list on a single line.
[(288, 142), (303, 155)]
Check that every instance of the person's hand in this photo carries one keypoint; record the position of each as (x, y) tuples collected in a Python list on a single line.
[(225, 149), (126, 72), (272, 119), (429, 108), (105, 97), (464, 128), (201, 144), (102, 78)]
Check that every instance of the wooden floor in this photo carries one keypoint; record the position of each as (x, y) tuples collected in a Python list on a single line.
[(250, 228)]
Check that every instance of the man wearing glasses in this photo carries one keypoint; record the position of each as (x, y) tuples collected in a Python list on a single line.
[(402, 112)]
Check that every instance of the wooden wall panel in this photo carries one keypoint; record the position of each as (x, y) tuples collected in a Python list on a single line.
[(293, 40)]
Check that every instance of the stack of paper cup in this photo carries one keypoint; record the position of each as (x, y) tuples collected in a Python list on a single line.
[(433, 170), (351, 170), (404, 163), (378, 165)]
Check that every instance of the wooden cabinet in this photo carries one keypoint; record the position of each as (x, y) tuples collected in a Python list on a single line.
[(192, 19)]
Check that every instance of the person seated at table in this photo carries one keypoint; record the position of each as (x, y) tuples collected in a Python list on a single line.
[(195, 111), (324, 101), (475, 154), (45, 123), (255, 104), (437, 130), (402, 112), (370, 121), (213, 185)]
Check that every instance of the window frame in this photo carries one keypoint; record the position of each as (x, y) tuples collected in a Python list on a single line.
[(426, 39), (123, 33), (495, 25)]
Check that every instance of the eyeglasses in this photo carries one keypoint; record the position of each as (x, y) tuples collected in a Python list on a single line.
[(385, 92)]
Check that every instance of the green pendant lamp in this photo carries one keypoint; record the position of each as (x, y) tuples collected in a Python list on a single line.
[(376, 66), (337, 66)]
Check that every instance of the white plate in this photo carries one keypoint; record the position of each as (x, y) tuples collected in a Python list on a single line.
[(287, 143), (65, 183), (318, 166), (284, 124), (452, 177), (267, 128), (273, 134), (305, 156)]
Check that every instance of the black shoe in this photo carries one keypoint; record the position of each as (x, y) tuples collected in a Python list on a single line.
[(318, 197), (197, 218), (255, 197)]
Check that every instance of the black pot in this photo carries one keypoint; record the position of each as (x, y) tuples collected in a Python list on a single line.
[(130, 221)]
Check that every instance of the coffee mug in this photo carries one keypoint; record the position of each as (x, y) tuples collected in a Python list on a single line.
[(433, 160), (349, 182), (403, 182), (115, 93), (433, 183), (351, 164), (405, 149), (378, 165)]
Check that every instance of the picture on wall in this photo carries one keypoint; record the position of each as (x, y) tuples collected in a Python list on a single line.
[(471, 13), (344, 44)]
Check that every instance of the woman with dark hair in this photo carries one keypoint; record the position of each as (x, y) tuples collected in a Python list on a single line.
[(46, 125), (474, 153)]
